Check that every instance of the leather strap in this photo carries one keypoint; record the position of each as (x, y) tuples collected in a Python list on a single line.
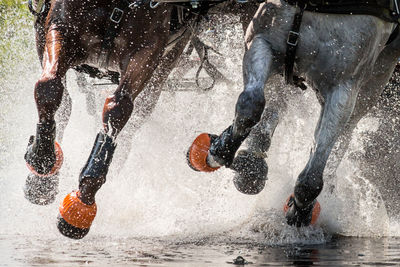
[(388, 10), (291, 48), (113, 27)]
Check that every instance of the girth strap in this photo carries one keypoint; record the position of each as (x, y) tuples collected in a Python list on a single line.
[(291, 48), (113, 27)]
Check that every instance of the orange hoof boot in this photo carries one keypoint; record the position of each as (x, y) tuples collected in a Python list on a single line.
[(301, 216), (197, 154), (75, 217), (56, 167)]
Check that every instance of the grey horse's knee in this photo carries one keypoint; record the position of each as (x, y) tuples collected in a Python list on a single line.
[(249, 109)]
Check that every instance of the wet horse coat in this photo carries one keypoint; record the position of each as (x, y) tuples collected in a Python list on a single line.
[(344, 58), (70, 35)]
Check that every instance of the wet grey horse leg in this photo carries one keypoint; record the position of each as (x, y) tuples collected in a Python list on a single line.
[(336, 112), (257, 67), (250, 167), (367, 98)]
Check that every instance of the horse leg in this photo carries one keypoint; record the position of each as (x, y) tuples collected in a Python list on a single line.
[(78, 209), (302, 208), (63, 114), (44, 156), (250, 167), (148, 97), (367, 98), (88, 89), (209, 152)]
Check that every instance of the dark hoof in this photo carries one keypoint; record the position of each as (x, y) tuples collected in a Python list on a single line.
[(41, 190), (69, 230), (250, 173), (197, 154), (75, 217), (301, 216)]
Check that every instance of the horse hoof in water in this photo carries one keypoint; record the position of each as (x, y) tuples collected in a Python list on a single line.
[(301, 216), (250, 172), (41, 190), (198, 151), (75, 217), (44, 165)]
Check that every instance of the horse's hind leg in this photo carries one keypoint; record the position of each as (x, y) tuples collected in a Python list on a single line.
[(44, 155), (63, 113), (302, 208), (209, 152), (366, 99)]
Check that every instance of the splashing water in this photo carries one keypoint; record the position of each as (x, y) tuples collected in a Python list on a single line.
[(155, 194)]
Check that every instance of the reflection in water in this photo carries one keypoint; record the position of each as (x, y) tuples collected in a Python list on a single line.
[(340, 251)]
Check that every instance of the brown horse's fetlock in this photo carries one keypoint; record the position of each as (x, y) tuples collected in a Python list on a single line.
[(44, 156)]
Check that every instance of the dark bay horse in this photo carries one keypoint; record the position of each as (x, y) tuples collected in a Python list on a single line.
[(119, 36), (346, 58)]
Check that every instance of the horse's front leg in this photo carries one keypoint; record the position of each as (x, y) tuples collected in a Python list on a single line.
[(301, 208), (250, 167), (78, 209), (44, 156), (209, 152)]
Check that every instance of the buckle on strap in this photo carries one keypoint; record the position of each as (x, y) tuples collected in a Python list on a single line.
[(293, 38), (116, 15)]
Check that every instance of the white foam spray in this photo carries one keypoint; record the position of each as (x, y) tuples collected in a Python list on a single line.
[(155, 194)]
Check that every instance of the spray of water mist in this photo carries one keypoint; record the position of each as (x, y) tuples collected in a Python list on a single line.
[(154, 193)]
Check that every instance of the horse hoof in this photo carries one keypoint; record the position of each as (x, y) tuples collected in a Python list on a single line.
[(56, 167), (41, 190), (301, 217), (197, 154), (250, 172), (75, 217)]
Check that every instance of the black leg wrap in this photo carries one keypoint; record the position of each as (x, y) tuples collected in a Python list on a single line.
[(41, 190), (299, 216), (41, 153), (251, 173), (224, 147), (69, 230), (93, 175)]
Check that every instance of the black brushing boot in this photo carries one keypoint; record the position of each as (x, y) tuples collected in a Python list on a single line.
[(41, 154), (44, 158), (78, 209)]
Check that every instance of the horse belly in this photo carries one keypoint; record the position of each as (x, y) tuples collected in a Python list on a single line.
[(334, 48), (330, 47)]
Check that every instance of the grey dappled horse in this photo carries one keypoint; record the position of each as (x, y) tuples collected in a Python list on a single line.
[(344, 58)]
